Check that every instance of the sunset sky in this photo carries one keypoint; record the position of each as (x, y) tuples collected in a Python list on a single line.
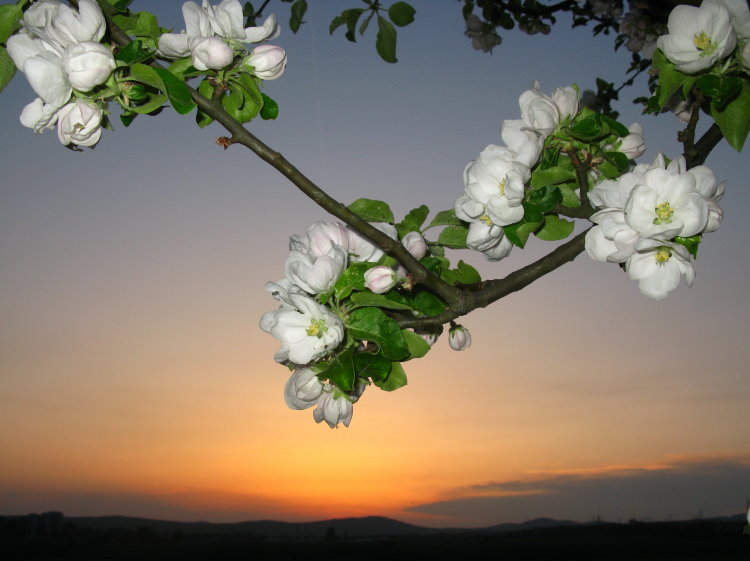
[(134, 378)]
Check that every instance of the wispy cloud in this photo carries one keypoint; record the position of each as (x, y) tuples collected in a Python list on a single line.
[(682, 488)]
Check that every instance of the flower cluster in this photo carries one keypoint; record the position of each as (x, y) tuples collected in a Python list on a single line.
[(214, 36), (651, 219), (699, 37), (495, 183), (59, 50), (331, 323)]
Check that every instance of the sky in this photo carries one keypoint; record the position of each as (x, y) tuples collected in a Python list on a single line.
[(134, 378)]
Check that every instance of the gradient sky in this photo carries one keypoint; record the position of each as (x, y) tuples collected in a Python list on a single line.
[(134, 378)]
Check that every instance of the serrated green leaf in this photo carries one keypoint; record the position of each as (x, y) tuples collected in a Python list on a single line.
[(546, 198), (298, 10), (133, 52), (270, 109), (371, 324), (413, 221), (427, 303), (615, 126), (670, 79), (551, 176), (396, 378), (252, 99), (467, 274), (519, 232), (353, 278), (418, 347), (589, 128), (401, 13), (10, 16), (445, 218), (365, 299), (454, 237), (340, 370), (372, 210), (146, 26), (348, 18), (619, 160), (162, 79), (569, 197), (372, 365), (734, 119), (385, 43), (690, 243), (7, 68), (555, 228)]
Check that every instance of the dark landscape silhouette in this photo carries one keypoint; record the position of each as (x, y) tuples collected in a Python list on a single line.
[(51, 535)]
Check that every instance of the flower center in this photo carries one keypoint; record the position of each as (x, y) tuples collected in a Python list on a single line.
[(317, 328), (501, 186), (664, 213), (704, 44), (486, 219), (663, 254)]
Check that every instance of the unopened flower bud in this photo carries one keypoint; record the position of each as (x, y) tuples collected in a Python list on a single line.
[(79, 123), (380, 279), (268, 61), (88, 64), (415, 244), (459, 338), (210, 52)]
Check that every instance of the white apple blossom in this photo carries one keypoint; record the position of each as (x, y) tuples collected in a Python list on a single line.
[(526, 143), (634, 144), (80, 123), (380, 279), (303, 389), (658, 267), (44, 68), (88, 64), (307, 330), (61, 26), (612, 239), (322, 236), (544, 113), (459, 338), (663, 205), (335, 406), (39, 116), (268, 61), (698, 37), (497, 181), (740, 14), (210, 53), (315, 274)]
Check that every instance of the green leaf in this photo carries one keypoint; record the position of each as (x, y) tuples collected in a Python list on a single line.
[(396, 378), (372, 365), (466, 274), (445, 218), (340, 370), (413, 221), (162, 79), (615, 126), (297, 13), (10, 16), (348, 17), (147, 26), (401, 13), (589, 128), (156, 101), (519, 232), (371, 324), (569, 197), (7, 68), (133, 52), (385, 43), (353, 278), (555, 228), (619, 160), (734, 119), (454, 237), (181, 66), (690, 243), (670, 79), (551, 176), (252, 98), (270, 109), (364, 299), (233, 101), (427, 303), (546, 198), (372, 211), (418, 347), (206, 90), (127, 117)]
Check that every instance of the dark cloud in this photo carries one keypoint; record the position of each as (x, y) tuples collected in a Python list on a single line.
[(681, 490)]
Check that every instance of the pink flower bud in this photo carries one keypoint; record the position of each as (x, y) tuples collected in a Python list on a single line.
[(268, 61), (380, 279), (459, 338), (415, 244)]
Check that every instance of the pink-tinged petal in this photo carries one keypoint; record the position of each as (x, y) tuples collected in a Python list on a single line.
[(269, 30), (174, 45)]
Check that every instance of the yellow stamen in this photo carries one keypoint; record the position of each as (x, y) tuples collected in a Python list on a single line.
[(501, 186), (663, 254), (664, 212), (703, 43), (317, 328), (486, 219)]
